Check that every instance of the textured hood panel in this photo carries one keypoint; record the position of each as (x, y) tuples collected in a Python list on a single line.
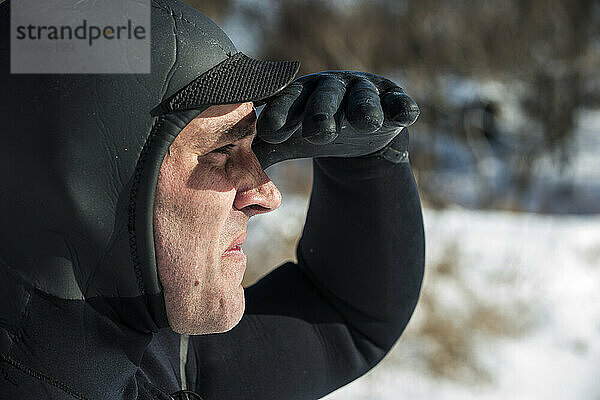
[(69, 224)]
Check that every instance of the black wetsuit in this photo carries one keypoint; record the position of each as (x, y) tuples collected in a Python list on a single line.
[(308, 328), (312, 327), (81, 311)]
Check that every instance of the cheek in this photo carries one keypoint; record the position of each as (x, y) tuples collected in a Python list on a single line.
[(190, 214), (195, 192), (209, 173)]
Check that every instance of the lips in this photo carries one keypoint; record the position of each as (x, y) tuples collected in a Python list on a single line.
[(236, 245)]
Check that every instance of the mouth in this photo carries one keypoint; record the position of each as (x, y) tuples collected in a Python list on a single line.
[(235, 248)]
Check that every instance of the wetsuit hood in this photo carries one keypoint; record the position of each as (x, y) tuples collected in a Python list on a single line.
[(80, 156)]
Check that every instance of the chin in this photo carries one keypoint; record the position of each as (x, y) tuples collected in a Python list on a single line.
[(221, 317), (228, 323)]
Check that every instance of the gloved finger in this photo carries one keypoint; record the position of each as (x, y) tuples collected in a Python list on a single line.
[(282, 114), (319, 125), (363, 106), (266, 153), (399, 107)]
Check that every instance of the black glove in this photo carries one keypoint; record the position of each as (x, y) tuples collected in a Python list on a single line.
[(334, 114)]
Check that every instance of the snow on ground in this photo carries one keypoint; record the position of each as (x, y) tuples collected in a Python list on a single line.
[(510, 305), (540, 274)]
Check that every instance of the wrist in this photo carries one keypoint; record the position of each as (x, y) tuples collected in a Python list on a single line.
[(376, 164), (395, 151)]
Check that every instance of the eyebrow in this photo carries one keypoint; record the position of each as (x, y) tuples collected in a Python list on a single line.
[(237, 132), (230, 133)]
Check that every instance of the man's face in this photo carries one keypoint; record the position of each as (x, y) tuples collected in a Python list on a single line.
[(210, 184)]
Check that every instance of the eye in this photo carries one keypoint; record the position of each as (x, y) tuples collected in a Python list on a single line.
[(224, 149)]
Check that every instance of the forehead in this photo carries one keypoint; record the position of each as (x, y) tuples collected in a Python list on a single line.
[(218, 124)]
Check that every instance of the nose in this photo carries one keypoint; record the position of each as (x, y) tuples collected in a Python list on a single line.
[(256, 193)]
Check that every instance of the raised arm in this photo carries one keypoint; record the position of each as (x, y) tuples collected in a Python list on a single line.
[(312, 327)]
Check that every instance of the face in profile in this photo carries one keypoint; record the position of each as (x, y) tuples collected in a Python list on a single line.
[(210, 184)]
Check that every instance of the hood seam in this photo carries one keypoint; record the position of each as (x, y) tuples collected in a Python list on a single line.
[(42, 377), (28, 288), (182, 18), (133, 202)]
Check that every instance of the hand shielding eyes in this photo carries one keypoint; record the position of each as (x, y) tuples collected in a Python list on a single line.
[(332, 114)]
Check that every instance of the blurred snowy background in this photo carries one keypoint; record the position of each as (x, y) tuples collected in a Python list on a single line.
[(506, 154)]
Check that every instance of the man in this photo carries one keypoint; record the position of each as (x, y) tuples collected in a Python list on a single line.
[(124, 204)]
